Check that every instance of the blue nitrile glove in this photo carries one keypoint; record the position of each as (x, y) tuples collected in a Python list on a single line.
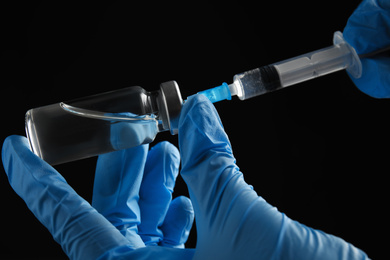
[(232, 221), (132, 190), (368, 30)]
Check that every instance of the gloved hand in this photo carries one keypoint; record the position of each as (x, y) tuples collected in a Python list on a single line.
[(232, 221), (132, 192), (368, 30)]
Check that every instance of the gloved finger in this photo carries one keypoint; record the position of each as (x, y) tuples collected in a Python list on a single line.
[(226, 208), (178, 222), (202, 138), (118, 179), (368, 28), (82, 232), (375, 80), (161, 170)]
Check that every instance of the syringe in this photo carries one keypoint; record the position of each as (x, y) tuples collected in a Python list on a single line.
[(289, 72)]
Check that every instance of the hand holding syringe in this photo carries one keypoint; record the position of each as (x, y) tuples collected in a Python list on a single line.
[(292, 71)]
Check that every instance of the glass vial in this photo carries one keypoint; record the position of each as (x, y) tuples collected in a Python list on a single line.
[(107, 122)]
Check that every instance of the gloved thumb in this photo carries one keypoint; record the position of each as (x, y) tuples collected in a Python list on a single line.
[(81, 231), (227, 210), (205, 148)]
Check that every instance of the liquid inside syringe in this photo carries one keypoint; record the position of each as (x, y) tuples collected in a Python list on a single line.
[(290, 72)]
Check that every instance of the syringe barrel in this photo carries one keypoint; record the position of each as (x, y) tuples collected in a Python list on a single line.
[(292, 71), (298, 69), (314, 64)]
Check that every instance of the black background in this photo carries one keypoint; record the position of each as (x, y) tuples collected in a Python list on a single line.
[(318, 150)]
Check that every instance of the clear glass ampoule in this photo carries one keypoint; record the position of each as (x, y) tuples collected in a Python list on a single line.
[(102, 123)]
